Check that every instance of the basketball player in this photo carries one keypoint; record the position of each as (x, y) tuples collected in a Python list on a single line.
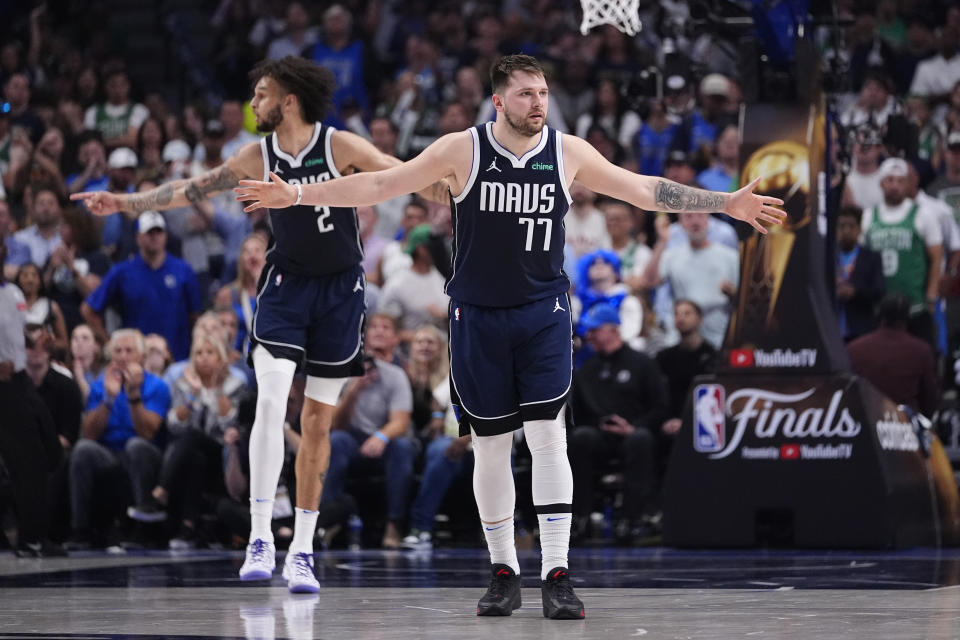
[(510, 325), (310, 300)]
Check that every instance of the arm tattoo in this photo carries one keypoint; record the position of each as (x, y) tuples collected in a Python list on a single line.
[(677, 197), (211, 182), (154, 199)]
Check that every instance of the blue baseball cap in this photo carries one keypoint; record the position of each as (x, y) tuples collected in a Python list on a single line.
[(599, 315)]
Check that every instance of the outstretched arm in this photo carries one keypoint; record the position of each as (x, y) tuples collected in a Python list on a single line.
[(246, 163), (351, 150), (586, 165), (436, 162)]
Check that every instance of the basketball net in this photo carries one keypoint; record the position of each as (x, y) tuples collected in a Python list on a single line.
[(623, 14)]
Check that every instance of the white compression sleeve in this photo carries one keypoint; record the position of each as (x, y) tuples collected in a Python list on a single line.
[(552, 488), (496, 496), (274, 377)]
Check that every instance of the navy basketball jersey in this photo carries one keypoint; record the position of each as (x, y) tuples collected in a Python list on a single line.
[(508, 224), (308, 240)]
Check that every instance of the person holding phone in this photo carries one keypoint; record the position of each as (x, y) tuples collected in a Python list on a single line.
[(619, 401)]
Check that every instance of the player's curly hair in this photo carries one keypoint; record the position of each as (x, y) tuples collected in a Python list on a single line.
[(501, 70), (312, 84)]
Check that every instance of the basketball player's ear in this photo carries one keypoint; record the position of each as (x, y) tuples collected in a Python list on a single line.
[(497, 102)]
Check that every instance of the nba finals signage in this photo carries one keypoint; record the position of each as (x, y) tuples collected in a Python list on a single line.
[(775, 423), (783, 445), (809, 461)]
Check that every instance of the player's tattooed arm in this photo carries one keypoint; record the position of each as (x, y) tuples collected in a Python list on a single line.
[(203, 186), (183, 192), (153, 199), (671, 196)]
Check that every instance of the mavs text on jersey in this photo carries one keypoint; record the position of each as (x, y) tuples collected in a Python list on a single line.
[(508, 224)]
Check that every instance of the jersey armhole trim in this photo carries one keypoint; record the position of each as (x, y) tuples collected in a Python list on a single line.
[(474, 167), (561, 171), (328, 150), (266, 157)]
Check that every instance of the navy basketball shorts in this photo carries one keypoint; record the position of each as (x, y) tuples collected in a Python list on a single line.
[(316, 321), (509, 365)]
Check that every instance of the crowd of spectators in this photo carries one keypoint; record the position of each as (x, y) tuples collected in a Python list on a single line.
[(134, 327)]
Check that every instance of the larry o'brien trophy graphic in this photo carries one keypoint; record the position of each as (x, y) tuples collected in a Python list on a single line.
[(783, 446)]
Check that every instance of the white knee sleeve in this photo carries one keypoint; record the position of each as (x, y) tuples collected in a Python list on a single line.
[(264, 362), (324, 390), (493, 477), (552, 477)]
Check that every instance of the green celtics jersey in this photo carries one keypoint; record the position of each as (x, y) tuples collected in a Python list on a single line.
[(904, 255)]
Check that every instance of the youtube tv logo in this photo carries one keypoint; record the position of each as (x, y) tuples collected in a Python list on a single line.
[(789, 452), (741, 358)]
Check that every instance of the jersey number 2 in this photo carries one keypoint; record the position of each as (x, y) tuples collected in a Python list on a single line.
[(322, 223), (531, 223)]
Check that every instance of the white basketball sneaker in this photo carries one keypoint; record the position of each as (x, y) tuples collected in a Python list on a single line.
[(260, 562), (298, 572)]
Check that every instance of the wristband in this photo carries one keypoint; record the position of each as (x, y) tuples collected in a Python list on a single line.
[(299, 194), (383, 437), (136, 400), (437, 415)]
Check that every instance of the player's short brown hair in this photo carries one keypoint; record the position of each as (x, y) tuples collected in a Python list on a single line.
[(501, 70)]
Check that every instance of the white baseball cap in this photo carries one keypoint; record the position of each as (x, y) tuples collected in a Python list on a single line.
[(715, 84), (894, 167), (149, 220), (176, 151), (122, 158)]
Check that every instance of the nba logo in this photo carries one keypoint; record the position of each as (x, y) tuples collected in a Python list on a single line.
[(456, 313), (709, 423)]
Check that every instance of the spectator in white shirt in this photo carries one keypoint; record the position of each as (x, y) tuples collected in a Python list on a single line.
[(864, 177), (936, 76), (701, 271), (585, 225), (298, 36), (415, 295)]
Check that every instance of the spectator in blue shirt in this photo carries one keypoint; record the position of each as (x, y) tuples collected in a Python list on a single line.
[(343, 56), (124, 412), (654, 138), (39, 240), (153, 291), (724, 172), (92, 157)]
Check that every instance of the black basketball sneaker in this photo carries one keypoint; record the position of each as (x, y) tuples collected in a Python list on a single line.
[(503, 594), (559, 600)]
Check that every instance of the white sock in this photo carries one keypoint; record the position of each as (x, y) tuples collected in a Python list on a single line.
[(552, 489), (501, 543), (261, 515), (554, 541), (274, 377), (303, 529), (496, 496)]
